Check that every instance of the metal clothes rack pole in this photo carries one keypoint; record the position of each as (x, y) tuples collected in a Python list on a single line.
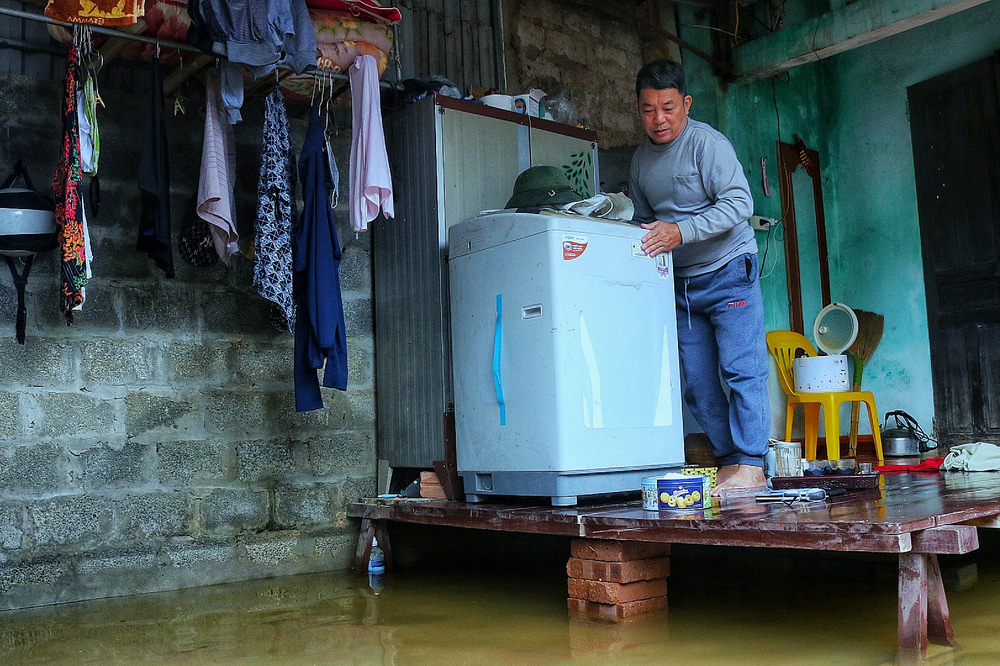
[(162, 43)]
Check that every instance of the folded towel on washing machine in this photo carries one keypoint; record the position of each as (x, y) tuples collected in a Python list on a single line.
[(974, 457)]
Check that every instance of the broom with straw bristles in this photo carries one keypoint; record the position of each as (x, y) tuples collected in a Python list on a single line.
[(869, 335)]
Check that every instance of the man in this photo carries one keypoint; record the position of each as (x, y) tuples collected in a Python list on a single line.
[(690, 192)]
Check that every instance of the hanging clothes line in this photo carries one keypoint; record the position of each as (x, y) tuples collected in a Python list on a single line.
[(165, 44)]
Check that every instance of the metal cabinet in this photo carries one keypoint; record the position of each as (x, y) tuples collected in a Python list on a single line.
[(450, 160)]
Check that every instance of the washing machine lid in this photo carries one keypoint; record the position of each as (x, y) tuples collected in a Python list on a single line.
[(498, 227)]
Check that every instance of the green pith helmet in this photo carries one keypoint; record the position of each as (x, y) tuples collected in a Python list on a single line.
[(542, 186)]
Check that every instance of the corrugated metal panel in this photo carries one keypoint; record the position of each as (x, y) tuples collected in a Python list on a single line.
[(450, 38), (412, 370), (25, 61)]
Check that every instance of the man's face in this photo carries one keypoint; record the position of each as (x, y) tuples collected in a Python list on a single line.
[(664, 113)]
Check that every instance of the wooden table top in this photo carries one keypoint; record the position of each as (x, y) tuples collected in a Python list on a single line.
[(875, 521)]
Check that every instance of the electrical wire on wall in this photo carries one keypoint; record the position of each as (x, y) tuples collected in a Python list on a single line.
[(784, 185)]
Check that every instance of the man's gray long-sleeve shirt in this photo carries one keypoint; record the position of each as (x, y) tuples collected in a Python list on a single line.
[(697, 182)]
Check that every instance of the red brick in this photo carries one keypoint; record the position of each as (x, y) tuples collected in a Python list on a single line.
[(617, 551), (617, 611), (619, 572), (616, 593)]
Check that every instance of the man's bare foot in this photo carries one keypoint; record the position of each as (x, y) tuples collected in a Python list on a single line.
[(725, 472), (745, 476)]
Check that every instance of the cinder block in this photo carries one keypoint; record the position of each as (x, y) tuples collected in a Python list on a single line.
[(617, 611), (355, 269), (32, 468), (358, 315), (116, 362), (340, 410), (8, 304), (186, 463), (616, 593), (11, 525), (342, 452), (362, 414), (127, 262), (231, 511), (241, 314), (186, 553), (99, 313), (304, 506), (74, 522), (121, 562), (339, 546), (264, 363), (152, 515), (10, 417), (237, 414), (161, 306), (280, 414), (75, 414), (617, 551), (202, 363), (619, 572), (360, 362), (146, 411), (271, 547), (353, 489), (265, 459), (38, 362), (106, 466), (19, 574)]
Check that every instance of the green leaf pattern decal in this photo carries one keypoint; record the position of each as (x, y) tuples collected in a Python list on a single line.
[(579, 171)]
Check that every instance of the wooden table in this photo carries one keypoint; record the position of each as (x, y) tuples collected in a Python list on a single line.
[(917, 516)]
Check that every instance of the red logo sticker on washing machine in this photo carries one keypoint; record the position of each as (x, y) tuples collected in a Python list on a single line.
[(573, 246)]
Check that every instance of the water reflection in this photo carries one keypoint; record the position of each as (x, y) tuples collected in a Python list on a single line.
[(747, 607)]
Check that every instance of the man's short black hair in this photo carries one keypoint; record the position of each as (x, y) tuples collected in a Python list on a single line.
[(660, 75)]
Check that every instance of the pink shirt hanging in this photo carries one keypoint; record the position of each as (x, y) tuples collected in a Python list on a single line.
[(370, 181)]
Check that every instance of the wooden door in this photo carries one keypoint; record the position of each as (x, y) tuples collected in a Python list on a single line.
[(955, 125)]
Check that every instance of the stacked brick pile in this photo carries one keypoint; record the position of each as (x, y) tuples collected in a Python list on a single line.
[(617, 579)]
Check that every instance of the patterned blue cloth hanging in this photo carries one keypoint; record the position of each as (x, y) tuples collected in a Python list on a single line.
[(272, 275)]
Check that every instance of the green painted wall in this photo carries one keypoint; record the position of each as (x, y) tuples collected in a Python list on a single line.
[(876, 233), (852, 109)]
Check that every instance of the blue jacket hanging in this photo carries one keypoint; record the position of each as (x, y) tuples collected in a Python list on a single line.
[(320, 336)]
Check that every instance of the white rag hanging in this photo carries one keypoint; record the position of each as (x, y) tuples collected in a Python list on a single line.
[(370, 181), (216, 204)]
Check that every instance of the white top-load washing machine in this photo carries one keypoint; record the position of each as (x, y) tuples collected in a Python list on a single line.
[(564, 349)]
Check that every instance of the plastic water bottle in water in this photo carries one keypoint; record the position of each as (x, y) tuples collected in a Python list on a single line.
[(376, 568)]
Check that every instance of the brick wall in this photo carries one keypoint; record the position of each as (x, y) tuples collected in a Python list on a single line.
[(154, 445)]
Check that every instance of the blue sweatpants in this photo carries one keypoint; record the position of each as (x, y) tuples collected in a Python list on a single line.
[(720, 326)]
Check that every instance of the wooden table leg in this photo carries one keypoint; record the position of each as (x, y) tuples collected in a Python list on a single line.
[(923, 607), (382, 534), (364, 550), (939, 629), (913, 602), (370, 530)]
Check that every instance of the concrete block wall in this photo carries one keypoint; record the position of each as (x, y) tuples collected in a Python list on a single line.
[(154, 444), (589, 54)]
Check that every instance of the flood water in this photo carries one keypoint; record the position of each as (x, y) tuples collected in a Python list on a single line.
[(741, 607)]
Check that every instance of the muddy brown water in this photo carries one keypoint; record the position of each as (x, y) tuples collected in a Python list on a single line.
[(740, 615)]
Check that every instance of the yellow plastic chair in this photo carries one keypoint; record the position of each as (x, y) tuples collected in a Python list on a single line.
[(783, 345)]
